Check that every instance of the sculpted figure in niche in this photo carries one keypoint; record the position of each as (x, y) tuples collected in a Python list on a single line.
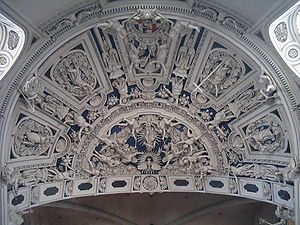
[(134, 56), (177, 86), (267, 190), (111, 60), (185, 57), (159, 57), (121, 85)]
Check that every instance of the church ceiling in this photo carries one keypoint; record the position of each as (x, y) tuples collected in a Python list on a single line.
[(148, 102)]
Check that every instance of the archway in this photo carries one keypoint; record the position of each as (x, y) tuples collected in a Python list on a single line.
[(140, 99)]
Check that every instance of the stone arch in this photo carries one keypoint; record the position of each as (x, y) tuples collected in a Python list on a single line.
[(186, 98)]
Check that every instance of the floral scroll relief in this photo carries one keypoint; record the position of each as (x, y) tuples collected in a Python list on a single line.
[(74, 73)]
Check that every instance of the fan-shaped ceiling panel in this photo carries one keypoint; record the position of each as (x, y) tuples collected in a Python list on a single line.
[(149, 101)]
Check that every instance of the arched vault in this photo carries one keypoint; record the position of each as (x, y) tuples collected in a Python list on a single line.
[(148, 98)]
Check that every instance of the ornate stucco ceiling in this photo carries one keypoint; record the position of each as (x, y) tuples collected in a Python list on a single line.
[(118, 98)]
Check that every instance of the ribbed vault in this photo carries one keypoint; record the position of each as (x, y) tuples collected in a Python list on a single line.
[(148, 98)]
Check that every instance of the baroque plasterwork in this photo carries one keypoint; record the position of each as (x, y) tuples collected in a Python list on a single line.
[(143, 104)]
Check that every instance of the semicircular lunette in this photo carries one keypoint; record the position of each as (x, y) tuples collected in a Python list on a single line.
[(151, 143)]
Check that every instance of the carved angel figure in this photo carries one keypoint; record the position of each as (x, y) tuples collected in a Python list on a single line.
[(110, 161), (221, 116), (77, 119), (128, 154), (55, 175), (12, 177), (172, 153), (291, 172)]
